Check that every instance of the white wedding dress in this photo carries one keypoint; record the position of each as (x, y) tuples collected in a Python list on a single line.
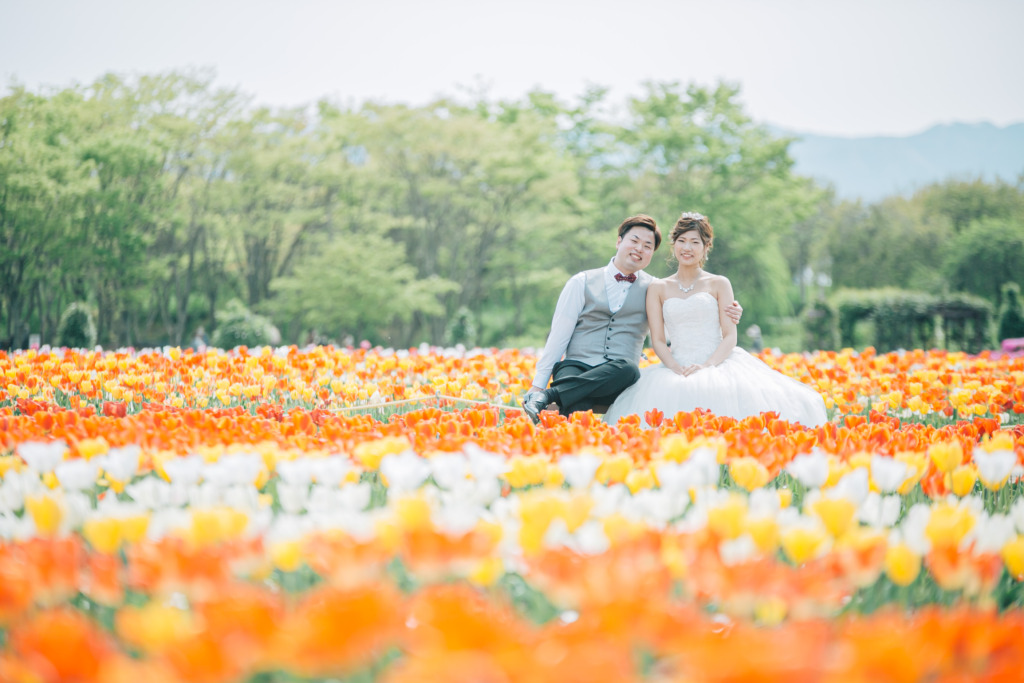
[(738, 387)]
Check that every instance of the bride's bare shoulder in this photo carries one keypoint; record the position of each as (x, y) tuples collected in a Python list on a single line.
[(719, 280)]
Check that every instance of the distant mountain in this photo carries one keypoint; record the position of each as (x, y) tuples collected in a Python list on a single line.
[(876, 167)]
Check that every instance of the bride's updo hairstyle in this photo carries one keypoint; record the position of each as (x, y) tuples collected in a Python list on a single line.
[(691, 220)]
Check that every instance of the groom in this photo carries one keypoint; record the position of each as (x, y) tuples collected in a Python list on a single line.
[(597, 333)]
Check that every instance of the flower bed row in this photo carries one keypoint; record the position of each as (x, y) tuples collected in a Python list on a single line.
[(275, 538)]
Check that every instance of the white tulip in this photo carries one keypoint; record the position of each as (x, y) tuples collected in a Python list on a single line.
[(184, 471), (880, 511), (292, 497), (120, 463), (994, 468), (330, 471), (77, 474), (456, 519), (607, 499), (889, 473), (17, 485), (297, 472), (355, 497), (911, 530), (853, 486), (151, 492), (449, 469), (1017, 515), (14, 528), (579, 470), (42, 457), (989, 534), (404, 472), (234, 468), (810, 469), (738, 550), (484, 465)]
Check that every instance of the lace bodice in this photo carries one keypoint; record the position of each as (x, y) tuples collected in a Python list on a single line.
[(692, 326)]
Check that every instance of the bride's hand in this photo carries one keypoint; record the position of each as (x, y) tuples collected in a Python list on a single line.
[(692, 369)]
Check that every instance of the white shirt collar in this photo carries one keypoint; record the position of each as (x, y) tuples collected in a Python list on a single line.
[(611, 269)]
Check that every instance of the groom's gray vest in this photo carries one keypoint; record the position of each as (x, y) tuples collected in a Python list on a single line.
[(601, 335)]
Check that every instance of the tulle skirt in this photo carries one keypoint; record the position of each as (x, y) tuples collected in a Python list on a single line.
[(738, 387)]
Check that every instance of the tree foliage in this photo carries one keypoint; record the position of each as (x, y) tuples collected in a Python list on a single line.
[(163, 203)]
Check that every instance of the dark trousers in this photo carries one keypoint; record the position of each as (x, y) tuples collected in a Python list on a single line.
[(591, 387)]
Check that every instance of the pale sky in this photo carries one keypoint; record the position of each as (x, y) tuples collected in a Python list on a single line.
[(839, 67)]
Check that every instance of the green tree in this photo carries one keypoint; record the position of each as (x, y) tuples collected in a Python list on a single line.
[(893, 243), (695, 149), (985, 255), (360, 286), (963, 202), (475, 199)]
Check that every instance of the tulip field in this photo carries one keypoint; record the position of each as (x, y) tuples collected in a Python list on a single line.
[(296, 515)]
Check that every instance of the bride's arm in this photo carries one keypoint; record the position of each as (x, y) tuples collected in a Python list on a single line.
[(656, 321), (722, 289)]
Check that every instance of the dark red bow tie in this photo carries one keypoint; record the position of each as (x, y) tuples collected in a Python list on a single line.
[(619, 277)]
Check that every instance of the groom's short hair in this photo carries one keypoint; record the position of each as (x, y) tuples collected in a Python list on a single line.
[(641, 220)]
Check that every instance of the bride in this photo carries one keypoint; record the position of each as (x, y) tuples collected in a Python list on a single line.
[(704, 368)]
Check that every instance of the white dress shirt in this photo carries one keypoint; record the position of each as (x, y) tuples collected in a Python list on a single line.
[(567, 314)]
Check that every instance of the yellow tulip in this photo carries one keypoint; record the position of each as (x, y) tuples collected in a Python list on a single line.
[(947, 525), (487, 571), (918, 464), (576, 511), (413, 513), (638, 479), (153, 628), (370, 453), (770, 611), (835, 513), (286, 555), (1013, 557), (103, 534), (133, 529), (526, 470), (962, 479), (614, 469), (902, 565), (553, 477), (90, 448), (802, 543), (46, 512), (749, 473), (999, 441), (215, 525), (9, 463), (947, 455), (618, 528), (765, 532), (727, 519)]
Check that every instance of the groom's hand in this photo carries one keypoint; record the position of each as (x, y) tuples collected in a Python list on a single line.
[(734, 311)]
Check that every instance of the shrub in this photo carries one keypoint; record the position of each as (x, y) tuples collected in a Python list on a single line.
[(76, 329), (461, 329), (1011, 313), (238, 326), (820, 328), (907, 319)]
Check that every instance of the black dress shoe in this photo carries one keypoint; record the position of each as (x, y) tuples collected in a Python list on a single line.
[(533, 403)]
